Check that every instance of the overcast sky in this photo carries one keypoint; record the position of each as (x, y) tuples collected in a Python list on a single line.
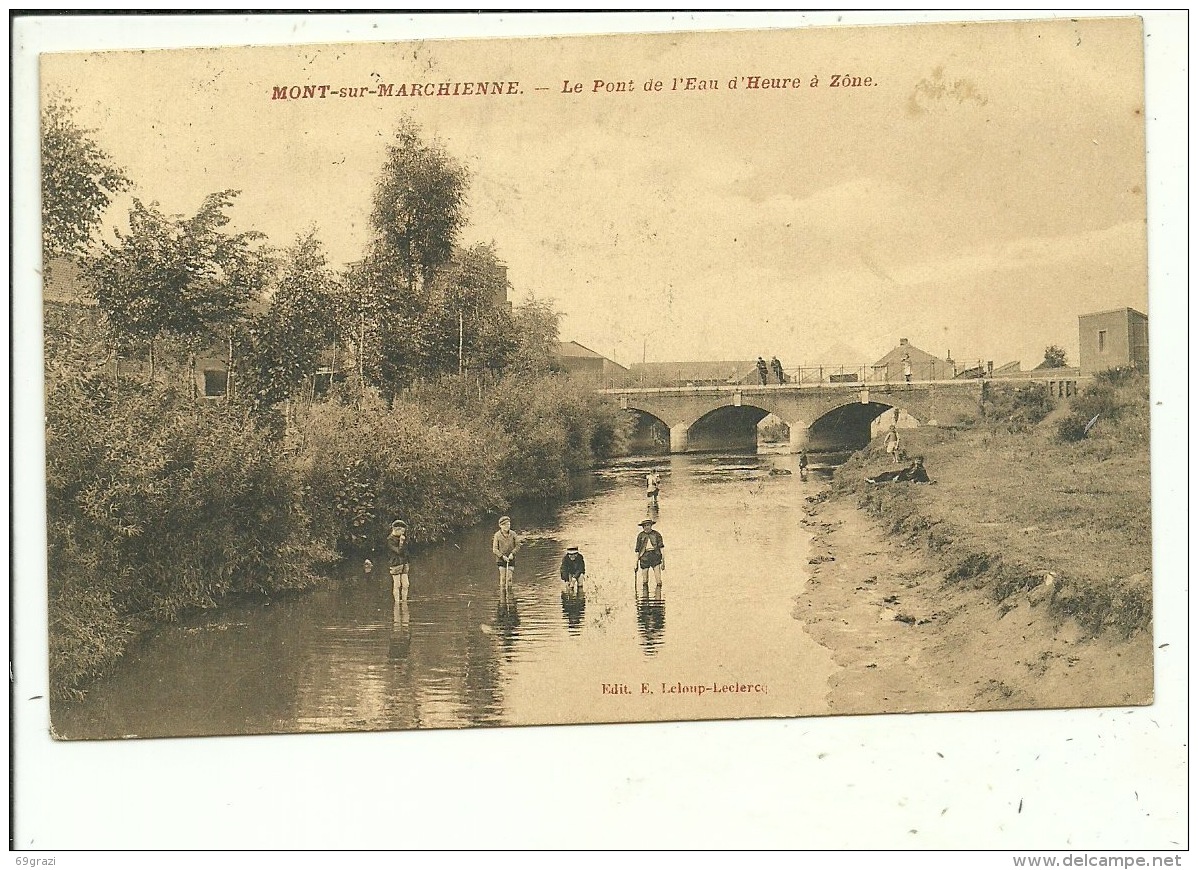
[(987, 189)]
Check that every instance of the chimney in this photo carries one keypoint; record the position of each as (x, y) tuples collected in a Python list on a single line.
[(902, 342)]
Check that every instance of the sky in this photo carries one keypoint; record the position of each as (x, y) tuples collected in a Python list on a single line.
[(983, 190)]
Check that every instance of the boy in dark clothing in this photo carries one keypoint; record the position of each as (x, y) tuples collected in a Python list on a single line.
[(397, 555), (649, 555), (762, 375), (573, 570)]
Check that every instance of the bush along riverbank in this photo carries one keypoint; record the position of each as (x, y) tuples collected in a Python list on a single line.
[(1021, 578), (158, 505)]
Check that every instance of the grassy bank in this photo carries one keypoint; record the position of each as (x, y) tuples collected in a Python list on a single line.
[(158, 505), (1016, 500)]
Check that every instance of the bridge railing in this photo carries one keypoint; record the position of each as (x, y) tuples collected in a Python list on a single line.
[(802, 375)]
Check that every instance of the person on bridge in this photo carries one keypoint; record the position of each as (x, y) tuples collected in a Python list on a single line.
[(776, 366), (573, 570), (907, 367), (762, 374), (652, 487), (649, 552), (397, 554), (504, 545)]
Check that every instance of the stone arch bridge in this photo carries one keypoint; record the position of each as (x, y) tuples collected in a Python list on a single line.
[(820, 416)]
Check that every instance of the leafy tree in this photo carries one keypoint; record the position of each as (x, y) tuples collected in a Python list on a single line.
[(536, 324), (419, 206), (79, 181), (282, 345), (388, 325), (184, 278), (1054, 357), (470, 294)]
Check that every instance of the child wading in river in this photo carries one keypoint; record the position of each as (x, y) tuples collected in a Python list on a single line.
[(652, 487), (649, 555), (397, 554), (504, 545), (574, 571)]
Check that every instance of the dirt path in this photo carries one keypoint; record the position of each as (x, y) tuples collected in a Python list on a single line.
[(908, 641)]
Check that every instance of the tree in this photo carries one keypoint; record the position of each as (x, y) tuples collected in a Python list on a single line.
[(1054, 357), (404, 310), (79, 181), (536, 325), (281, 346), (178, 277), (419, 206), (468, 305)]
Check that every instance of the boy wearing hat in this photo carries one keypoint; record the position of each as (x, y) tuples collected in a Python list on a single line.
[(397, 553), (649, 555), (574, 570), (504, 545)]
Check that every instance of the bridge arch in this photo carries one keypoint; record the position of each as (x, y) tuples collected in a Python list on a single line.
[(650, 433), (726, 427), (851, 425)]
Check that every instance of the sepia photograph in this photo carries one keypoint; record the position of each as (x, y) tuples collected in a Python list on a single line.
[(410, 385)]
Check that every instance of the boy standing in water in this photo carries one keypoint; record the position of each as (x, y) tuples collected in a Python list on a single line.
[(649, 555), (652, 486), (574, 570), (397, 554), (504, 545)]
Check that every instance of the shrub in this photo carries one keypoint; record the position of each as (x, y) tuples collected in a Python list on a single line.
[(1018, 408), (1118, 375), (156, 505), (1115, 396), (1072, 428), (362, 468)]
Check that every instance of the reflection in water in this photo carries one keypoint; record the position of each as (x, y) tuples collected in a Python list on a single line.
[(507, 617), (651, 618), (574, 605), (401, 630)]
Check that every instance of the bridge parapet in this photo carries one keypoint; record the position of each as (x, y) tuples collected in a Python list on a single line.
[(801, 406)]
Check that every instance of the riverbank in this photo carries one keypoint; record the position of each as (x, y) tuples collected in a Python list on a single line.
[(1020, 579)]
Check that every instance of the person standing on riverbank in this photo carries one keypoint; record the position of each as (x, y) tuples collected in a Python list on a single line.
[(649, 551), (397, 555), (892, 444), (504, 545)]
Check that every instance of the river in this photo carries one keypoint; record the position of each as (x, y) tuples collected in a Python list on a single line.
[(720, 641)]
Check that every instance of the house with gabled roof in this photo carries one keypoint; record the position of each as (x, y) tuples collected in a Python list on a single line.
[(580, 361)]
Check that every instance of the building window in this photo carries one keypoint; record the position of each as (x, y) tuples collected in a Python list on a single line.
[(216, 382), (1102, 341)]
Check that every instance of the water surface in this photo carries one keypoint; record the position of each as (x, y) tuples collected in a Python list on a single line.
[(719, 640)]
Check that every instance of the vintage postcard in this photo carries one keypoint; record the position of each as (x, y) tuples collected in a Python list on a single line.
[(643, 377)]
